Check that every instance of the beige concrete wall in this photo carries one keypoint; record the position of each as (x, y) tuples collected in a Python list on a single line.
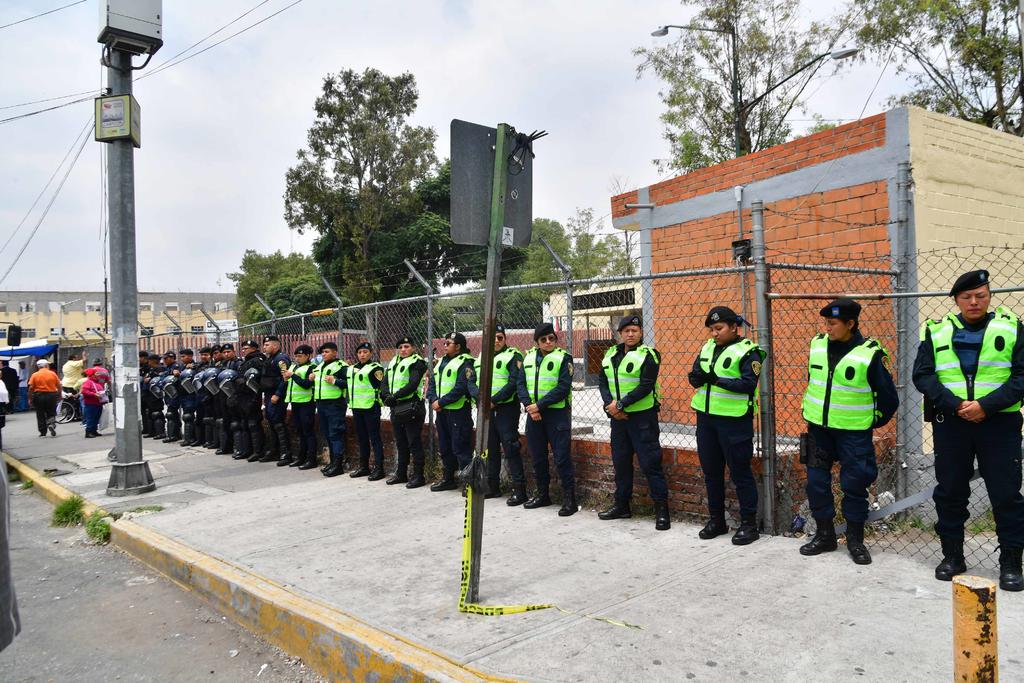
[(968, 183)]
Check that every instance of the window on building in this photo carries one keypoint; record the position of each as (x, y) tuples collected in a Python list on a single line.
[(220, 307), (93, 306), (3, 333), (195, 307), (198, 329), (146, 331), (27, 307), (3, 307), (53, 306), (171, 306), (174, 330), (56, 331), (93, 330), (145, 307), (28, 332)]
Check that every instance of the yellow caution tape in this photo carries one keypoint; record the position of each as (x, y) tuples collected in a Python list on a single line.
[(498, 610)]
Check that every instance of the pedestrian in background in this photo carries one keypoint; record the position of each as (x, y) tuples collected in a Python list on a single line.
[(94, 397), (9, 377), (43, 394)]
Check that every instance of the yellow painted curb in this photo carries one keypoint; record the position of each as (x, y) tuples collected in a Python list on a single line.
[(46, 487), (335, 644)]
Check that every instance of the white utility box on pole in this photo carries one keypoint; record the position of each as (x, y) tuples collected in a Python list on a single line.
[(134, 26)]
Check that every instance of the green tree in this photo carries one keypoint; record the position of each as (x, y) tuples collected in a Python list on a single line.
[(962, 56), (696, 71), (357, 177), (274, 276)]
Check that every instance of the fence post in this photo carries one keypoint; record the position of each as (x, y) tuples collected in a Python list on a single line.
[(341, 315), (764, 339), (273, 316), (430, 344), (212, 322), (908, 434), (567, 276)]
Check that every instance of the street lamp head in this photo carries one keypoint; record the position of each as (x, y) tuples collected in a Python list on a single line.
[(660, 32), (844, 53)]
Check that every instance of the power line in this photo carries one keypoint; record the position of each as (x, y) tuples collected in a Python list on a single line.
[(43, 14), (46, 211), (49, 99), (43, 111)]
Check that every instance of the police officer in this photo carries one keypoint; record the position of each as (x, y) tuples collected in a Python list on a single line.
[(503, 433), (227, 406), (970, 367), (207, 411), (273, 384), (154, 400), (298, 394), (249, 427), (448, 395), (849, 393), (189, 401), (363, 383), (147, 419), (172, 398), (329, 393), (725, 375), (545, 390), (629, 389), (402, 392)]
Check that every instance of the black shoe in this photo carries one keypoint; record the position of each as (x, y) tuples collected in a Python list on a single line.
[(308, 464), (446, 484), (823, 541), (539, 501), (397, 478), (267, 457), (298, 460), (855, 543), (333, 469), (616, 511), (90, 435), (240, 456), (1010, 576), (662, 520), (953, 562), (221, 451), (716, 526), (255, 457), (361, 472), (375, 475), (569, 506), (747, 533), (518, 496), (416, 482), (285, 461)]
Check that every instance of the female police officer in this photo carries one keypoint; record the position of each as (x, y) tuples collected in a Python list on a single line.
[(725, 375)]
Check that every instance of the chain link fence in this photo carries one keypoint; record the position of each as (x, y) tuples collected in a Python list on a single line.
[(897, 295)]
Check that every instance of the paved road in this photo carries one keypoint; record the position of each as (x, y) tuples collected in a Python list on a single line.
[(92, 614)]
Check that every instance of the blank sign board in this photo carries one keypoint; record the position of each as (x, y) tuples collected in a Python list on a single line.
[(472, 178)]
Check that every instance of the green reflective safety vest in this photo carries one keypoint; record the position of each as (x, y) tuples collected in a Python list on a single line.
[(542, 376), (323, 390), (444, 382), (361, 392), (625, 377), (714, 400), (501, 375), (841, 398), (397, 376), (994, 361), (294, 393)]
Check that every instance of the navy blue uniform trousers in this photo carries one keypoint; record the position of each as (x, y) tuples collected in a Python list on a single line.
[(553, 428), (367, 421), (854, 450), (304, 421), (503, 441), (639, 434), (455, 437), (332, 425), (996, 444), (727, 442)]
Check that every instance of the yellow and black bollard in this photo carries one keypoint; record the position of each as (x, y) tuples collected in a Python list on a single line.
[(975, 645)]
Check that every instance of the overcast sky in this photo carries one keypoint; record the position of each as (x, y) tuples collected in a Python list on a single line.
[(221, 130)]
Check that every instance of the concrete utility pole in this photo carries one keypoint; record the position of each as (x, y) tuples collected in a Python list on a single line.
[(130, 473)]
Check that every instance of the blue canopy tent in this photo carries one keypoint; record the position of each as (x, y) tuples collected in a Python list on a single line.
[(37, 348)]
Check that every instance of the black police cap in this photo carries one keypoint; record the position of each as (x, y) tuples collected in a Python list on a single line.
[(499, 328), (627, 320), (842, 309), (143, 354), (205, 349), (273, 338), (543, 330), (971, 280), (227, 347), (328, 345), (404, 340), (365, 345), (170, 354), (304, 349), (722, 314), (187, 352), (458, 338)]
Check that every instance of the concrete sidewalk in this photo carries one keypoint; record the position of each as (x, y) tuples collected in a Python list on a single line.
[(389, 557)]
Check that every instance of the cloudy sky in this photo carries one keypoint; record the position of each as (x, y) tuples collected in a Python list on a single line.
[(220, 130)]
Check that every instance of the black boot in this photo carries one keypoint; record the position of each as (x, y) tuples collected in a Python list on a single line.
[(823, 541), (256, 436), (243, 447), (283, 446), (542, 499), (223, 442), (401, 473), (716, 526), (309, 462), (159, 426), (953, 562), (493, 489), (518, 496), (447, 482), (189, 432), (334, 468), (747, 533), (662, 521), (1010, 577), (620, 510), (270, 446), (364, 468), (417, 479), (569, 506), (855, 543), (376, 474)]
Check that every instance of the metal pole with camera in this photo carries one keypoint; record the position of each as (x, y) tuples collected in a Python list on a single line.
[(128, 28)]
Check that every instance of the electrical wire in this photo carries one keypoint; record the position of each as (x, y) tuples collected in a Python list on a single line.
[(43, 111), (43, 14), (50, 99), (46, 211)]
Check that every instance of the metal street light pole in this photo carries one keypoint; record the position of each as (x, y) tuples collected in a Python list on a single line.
[(62, 305)]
